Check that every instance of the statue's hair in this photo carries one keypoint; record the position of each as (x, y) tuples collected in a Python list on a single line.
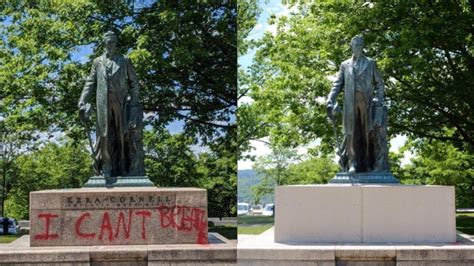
[(110, 34), (357, 38)]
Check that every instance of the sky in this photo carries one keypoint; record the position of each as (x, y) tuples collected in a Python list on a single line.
[(260, 148)]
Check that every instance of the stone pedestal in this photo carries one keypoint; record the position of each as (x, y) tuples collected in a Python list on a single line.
[(118, 216), (364, 214)]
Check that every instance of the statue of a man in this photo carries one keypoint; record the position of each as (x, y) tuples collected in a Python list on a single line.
[(363, 111), (115, 84)]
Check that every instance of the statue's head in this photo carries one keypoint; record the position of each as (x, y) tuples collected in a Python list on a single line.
[(110, 41), (357, 45)]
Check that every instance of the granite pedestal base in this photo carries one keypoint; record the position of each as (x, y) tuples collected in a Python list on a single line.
[(218, 252), (262, 250), (364, 214), (118, 216)]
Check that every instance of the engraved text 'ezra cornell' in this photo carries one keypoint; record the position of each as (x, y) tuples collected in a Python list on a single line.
[(79, 202)]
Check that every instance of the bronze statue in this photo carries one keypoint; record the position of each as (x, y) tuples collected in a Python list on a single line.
[(364, 146), (118, 150)]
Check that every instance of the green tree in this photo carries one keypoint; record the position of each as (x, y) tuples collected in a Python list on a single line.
[(247, 13), (184, 53), (169, 160), (51, 166), (441, 163), (424, 50), (315, 170), (274, 168), (285, 167), (221, 175)]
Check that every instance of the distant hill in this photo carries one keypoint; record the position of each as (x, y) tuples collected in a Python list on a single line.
[(246, 179)]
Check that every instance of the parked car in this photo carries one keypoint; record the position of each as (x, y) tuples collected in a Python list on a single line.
[(243, 208), (268, 210), (257, 210), (13, 226)]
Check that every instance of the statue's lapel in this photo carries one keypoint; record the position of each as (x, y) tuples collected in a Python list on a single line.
[(111, 66), (363, 65), (351, 69), (116, 63)]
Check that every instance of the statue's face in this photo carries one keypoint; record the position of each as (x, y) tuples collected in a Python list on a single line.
[(110, 45), (357, 48)]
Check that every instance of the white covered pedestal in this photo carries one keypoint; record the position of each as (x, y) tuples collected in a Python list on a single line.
[(365, 214)]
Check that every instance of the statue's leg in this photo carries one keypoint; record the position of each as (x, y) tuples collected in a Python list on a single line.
[(117, 149), (361, 133), (351, 154)]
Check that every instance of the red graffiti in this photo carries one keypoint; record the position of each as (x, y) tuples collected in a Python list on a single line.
[(126, 228), (185, 219), (46, 235), (106, 226), (122, 224), (144, 214), (78, 226)]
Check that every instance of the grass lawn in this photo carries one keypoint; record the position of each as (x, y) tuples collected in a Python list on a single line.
[(8, 238), (253, 230), (465, 222), (229, 232), (254, 225)]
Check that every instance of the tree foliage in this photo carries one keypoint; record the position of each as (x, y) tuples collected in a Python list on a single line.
[(441, 163), (285, 167), (185, 54), (424, 50), (52, 166)]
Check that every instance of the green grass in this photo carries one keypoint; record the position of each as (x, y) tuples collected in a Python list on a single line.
[(254, 225), (229, 232), (5, 239), (465, 223), (254, 230), (248, 220)]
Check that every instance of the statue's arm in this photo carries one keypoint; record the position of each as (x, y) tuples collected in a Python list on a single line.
[(133, 82), (337, 85), (90, 85), (379, 85)]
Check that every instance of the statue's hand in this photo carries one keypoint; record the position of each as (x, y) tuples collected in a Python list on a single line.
[(329, 110), (132, 125)]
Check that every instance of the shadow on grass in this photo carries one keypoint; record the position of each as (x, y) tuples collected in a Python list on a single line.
[(465, 223), (229, 232)]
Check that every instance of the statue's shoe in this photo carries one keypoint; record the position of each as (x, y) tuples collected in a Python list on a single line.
[(352, 170)]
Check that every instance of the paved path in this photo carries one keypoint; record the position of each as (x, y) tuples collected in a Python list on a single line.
[(465, 210)]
